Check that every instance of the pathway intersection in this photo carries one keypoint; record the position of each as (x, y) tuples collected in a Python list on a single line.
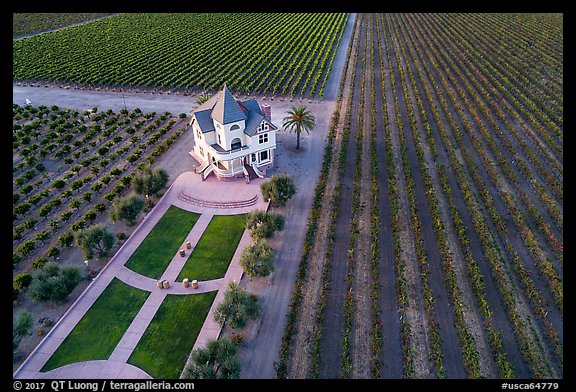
[(225, 198)]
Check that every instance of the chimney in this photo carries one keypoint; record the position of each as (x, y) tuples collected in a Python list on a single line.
[(266, 111)]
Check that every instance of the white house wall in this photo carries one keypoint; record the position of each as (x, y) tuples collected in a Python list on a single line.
[(227, 136), (209, 137)]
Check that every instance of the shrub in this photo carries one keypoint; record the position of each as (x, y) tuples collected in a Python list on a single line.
[(216, 361), (237, 307), (53, 252), (53, 283), (22, 281), (90, 215), (29, 223), (21, 209), (279, 189), (26, 248), (66, 240), (127, 209), (39, 262), (95, 239), (263, 225), (21, 326), (257, 259), (26, 189), (45, 210), (87, 196), (149, 182)]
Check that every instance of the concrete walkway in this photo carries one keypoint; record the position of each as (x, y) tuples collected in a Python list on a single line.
[(116, 366)]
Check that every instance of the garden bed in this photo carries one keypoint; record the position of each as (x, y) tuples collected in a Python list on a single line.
[(163, 350), (99, 331), (215, 249), (161, 244)]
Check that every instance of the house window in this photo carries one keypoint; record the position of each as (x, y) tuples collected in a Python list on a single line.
[(253, 158), (199, 134), (236, 144), (201, 151), (219, 140), (264, 156), (263, 138), (234, 127)]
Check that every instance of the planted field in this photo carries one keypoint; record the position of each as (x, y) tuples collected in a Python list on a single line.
[(164, 348), (212, 254), (99, 331), (271, 53), (68, 168), (160, 245), (434, 249), (35, 22)]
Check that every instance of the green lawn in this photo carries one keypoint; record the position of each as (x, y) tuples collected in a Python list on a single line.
[(164, 348), (161, 244), (99, 331), (213, 253)]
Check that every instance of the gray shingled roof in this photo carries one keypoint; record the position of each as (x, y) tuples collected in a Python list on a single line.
[(254, 116), (204, 120), (226, 109), (254, 119)]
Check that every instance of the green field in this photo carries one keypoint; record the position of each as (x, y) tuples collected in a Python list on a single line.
[(268, 53), (99, 331), (160, 245), (36, 22), (163, 350), (212, 255)]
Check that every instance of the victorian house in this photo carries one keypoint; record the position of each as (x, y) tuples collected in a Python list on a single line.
[(233, 138)]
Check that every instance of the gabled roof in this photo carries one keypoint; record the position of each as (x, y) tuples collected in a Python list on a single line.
[(204, 120), (252, 122), (226, 109), (254, 116)]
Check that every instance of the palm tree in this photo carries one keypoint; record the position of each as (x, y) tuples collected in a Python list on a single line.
[(301, 119)]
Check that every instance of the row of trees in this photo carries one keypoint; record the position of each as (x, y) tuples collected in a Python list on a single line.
[(49, 283), (218, 360)]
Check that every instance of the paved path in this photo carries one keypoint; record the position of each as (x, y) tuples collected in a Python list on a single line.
[(116, 366)]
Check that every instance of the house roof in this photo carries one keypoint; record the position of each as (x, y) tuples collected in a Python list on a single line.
[(204, 120), (254, 116), (226, 109), (252, 122)]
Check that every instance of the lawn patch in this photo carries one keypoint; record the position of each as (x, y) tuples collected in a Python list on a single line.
[(160, 245), (163, 350), (97, 334), (213, 253)]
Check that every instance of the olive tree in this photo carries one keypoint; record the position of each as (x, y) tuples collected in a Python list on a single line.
[(95, 239), (127, 209), (279, 189), (263, 224), (257, 259), (21, 326), (217, 360), (53, 283), (149, 182), (237, 306)]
